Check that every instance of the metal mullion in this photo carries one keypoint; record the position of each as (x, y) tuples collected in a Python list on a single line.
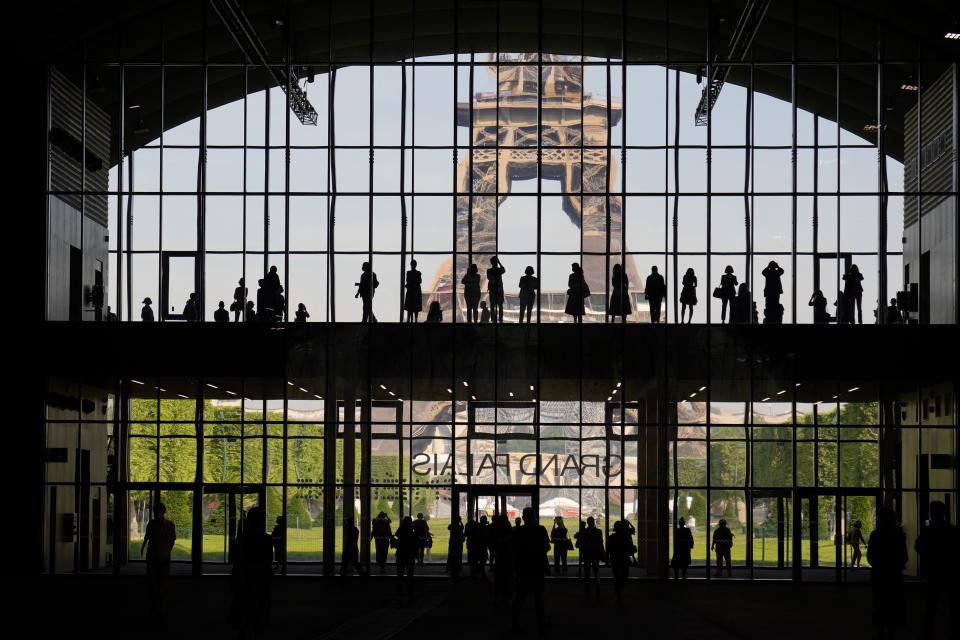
[(793, 165), (243, 208), (709, 160), (676, 189), (266, 185), (609, 153)]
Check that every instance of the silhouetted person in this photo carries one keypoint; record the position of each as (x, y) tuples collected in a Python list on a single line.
[(728, 293), (772, 289), (484, 313), (938, 545), (773, 315), (620, 548), (302, 313), (252, 575), (843, 309), (190, 308), (471, 291), (688, 295), (682, 544), (853, 293), (518, 522), (740, 309), (276, 536), (561, 544), (158, 540), (722, 544), (887, 555), (413, 299), (619, 306), (819, 303), (221, 314), (495, 288), (350, 560), (146, 313), (422, 529), (239, 300), (531, 544), (591, 553), (406, 544), (577, 293), (274, 290), (381, 533), (250, 314), (455, 547), (476, 547), (855, 539), (365, 291), (503, 539), (655, 290), (529, 285), (491, 538), (264, 304), (893, 313), (434, 313), (111, 316)]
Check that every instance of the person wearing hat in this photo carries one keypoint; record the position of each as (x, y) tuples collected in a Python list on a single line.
[(529, 284), (146, 314), (722, 544)]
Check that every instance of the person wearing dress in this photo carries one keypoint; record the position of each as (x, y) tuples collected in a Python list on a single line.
[(413, 300), (619, 306), (577, 293), (728, 292), (688, 295), (471, 292), (495, 289), (529, 284)]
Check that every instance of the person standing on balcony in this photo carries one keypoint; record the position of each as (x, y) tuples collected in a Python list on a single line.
[(471, 292), (495, 288), (365, 290), (413, 300)]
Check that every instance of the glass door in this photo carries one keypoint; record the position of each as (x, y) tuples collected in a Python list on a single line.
[(772, 534), (224, 510), (858, 515)]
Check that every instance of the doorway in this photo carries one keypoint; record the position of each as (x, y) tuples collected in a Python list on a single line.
[(223, 514), (826, 535), (772, 529), (474, 501)]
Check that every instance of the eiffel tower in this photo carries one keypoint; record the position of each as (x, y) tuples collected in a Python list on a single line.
[(568, 118)]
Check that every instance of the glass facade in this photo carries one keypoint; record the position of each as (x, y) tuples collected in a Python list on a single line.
[(594, 148)]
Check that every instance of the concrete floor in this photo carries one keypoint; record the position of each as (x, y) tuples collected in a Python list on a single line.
[(312, 608)]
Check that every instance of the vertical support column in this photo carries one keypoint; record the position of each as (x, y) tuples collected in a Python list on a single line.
[(196, 542), (349, 462), (121, 530), (365, 446), (330, 414)]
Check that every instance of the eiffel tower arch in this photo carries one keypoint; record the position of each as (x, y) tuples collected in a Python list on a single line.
[(574, 129)]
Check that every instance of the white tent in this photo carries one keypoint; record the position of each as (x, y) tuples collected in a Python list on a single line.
[(559, 506)]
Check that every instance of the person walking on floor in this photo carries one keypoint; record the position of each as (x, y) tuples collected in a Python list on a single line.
[(722, 544), (381, 533), (855, 539), (495, 288), (239, 300), (350, 559), (938, 546), (688, 295), (620, 549), (422, 529), (561, 544), (728, 293), (655, 290), (471, 292), (619, 306), (853, 293), (529, 285), (577, 293), (455, 547), (252, 575), (366, 289), (531, 545), (591, 554), (887, 555), (413, 300), (158, 541), (406, 543), (682, 544)]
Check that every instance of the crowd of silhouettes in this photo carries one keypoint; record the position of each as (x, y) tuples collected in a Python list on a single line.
[(737, 305)]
